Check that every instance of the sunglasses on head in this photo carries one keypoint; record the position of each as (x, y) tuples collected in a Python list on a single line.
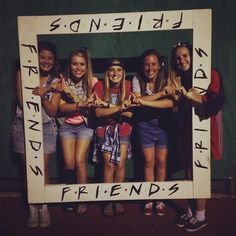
[(181, 44)]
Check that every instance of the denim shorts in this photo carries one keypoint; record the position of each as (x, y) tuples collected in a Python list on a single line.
[(151, 135), (49, 137), (124, 133), (80, 131)]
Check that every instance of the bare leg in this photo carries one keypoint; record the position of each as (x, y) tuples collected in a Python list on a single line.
[(68, 149), (109, 169), (149, 163), (108, 176), (120, 168), (201, 204), (160, 163), (120, 175), (200, 209), (81, 153), (46, 170)]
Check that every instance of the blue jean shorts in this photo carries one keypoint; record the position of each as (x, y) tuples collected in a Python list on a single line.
[(80, 131), (49, 137), (151, 135), (124, 133)]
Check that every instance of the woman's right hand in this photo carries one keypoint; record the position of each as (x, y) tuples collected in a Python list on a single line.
[(40, 91), (55, 87)]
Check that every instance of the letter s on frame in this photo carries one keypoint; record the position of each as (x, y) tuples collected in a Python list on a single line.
[(174, 188), (54, 26)]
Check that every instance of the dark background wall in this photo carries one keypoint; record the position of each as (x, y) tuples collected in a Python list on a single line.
[(123, 45)]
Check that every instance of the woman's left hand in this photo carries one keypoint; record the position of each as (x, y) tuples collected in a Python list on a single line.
[(181, 90), (126, 104)]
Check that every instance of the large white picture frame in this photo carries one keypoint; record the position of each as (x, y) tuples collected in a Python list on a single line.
[(29, 27)]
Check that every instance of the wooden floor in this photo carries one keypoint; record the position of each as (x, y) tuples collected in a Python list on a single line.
[(221, 216)]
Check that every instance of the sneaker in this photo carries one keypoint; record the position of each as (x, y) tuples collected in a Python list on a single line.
[(82, 208), (194, 225), (33, 219), (147, 210), (108, 210), (68, 207), (160, 209), (44, 216), (119, 208), (182, 220)]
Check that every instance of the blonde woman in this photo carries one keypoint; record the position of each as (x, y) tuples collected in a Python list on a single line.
[(75, 132), (113, 128)]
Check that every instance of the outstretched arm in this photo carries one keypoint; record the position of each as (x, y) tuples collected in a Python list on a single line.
[(161, 103), (192, 95), (112, 109), (100, 111)]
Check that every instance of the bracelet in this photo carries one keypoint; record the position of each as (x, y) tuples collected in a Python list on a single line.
[(44, 98), (188, 95)]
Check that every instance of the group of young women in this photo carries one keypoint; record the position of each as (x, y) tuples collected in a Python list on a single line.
[(116, 105)]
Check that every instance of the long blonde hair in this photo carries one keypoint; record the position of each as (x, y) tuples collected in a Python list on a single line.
[(87, 80), (121, 97)]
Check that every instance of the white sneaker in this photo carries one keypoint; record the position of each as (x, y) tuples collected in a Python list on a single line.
[(33, 219), (44, 216)]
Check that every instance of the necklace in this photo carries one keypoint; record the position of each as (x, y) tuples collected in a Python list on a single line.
[(149, 91)]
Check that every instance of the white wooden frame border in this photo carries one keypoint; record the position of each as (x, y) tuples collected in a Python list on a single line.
[(199, 20)]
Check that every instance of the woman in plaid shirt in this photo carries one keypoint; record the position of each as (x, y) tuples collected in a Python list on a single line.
[(113, 129)]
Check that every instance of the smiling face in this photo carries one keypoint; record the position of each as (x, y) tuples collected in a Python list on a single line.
[(183, 59), (151, 67), (46, 60), (78, 66), (115, 74)]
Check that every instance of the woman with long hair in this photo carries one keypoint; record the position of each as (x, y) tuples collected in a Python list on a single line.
[(76, 132), (149, 88), (206, 105), (113, 128)]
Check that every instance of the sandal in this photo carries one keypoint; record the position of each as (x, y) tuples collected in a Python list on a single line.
[(108, 210), (82, 208), (119, 208)]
